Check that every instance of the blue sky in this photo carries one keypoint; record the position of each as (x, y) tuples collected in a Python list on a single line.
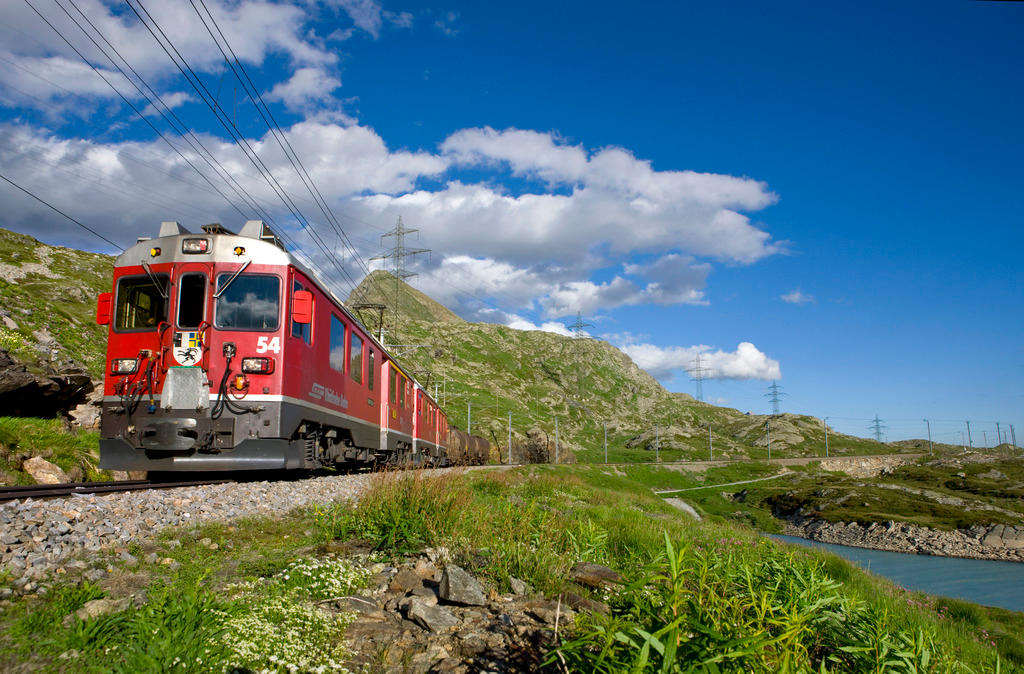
[(823, 193)]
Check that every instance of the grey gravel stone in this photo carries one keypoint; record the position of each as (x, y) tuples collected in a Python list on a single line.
[(459, 587), (45, 535)]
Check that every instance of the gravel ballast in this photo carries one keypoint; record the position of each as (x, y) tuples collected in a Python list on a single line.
[(42, 537)]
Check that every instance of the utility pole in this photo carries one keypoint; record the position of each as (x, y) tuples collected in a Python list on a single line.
[(775, 396), (469, 417), (984, 438), (824, 424), (877, 427), (398, 255), (657, 444), (606, 443), (970, 442), (510, 436), (698, 376), (929, 435), (556, 439), (1013, 436), (999, 435), (768, 430), (711, 449)]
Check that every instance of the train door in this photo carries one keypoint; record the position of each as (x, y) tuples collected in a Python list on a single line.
[(190, 316)]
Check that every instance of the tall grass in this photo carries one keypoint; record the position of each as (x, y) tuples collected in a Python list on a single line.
[(696, 597)]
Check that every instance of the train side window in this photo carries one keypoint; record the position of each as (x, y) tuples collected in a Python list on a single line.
[(140, 304), (301, 330), (392, 388), (401, 390), (419, 403), (355, 358), (369, 372), (337, 356), (191, 300)]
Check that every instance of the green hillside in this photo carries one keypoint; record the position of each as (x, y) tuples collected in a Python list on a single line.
[(48, 303), (585, 383)]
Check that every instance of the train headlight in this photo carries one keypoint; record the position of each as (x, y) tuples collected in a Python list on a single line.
[(258, 365), (124, 365), (193, 246)]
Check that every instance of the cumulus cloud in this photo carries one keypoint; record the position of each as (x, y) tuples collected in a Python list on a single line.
[(306, 86), (585, 229), (797, 297), (746, 362), (47, 70)]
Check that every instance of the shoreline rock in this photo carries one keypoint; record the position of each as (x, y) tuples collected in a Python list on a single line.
[(997, 542)]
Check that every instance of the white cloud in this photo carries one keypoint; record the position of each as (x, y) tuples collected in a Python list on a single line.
[(797, 297), (365, 14), (446, 24), (746, 362), (46, 68), (307, 86)]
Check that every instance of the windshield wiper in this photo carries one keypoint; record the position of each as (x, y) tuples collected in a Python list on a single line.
[(220, 291), (155, 280)]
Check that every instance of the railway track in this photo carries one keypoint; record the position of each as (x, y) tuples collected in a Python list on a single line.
[(72, 488)]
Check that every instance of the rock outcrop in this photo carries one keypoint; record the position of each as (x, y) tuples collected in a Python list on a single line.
[(24, 394)]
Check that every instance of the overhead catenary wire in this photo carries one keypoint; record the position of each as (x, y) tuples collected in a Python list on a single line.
[(127, 102), (54, 208), (181, 63), (167, 113)]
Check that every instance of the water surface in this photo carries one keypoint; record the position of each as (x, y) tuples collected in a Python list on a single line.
[(981, 581)]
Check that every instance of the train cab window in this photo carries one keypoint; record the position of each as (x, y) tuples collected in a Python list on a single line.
[(337, 357), (249, 302), (140, 304), (355, 358), (401, 390), (369, 372), (191, 300), (301, 330), (419, 404)]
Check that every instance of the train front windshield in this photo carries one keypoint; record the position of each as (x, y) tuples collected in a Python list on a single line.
[(248, 302)]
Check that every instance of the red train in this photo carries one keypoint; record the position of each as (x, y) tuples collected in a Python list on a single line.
[(225, 353)]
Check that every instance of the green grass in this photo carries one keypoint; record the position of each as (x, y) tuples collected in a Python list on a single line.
[(76, 452), (723, 596), (743, 603)]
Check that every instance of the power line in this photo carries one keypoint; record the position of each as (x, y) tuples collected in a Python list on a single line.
[(51, 206)]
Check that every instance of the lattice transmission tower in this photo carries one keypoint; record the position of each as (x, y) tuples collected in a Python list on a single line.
[(775, 395), (877, 428), (698, 373), (398, 254), (578, 335)]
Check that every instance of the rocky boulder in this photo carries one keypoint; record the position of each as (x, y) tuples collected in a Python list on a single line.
[(459, 587), (44, 472), (23, 394)]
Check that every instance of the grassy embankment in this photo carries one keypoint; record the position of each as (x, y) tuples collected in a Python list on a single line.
[(75, 452), (974, 493), (705, 596)]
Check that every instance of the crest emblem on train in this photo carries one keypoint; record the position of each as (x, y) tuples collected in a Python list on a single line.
[(188, 348)]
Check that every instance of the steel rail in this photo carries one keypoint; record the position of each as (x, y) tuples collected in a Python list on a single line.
[(85, 488)]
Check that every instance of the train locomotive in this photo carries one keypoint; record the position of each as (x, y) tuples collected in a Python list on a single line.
[(225, 353)]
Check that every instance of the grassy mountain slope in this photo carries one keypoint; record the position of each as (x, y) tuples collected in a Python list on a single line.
[(585, 383), (48, 303)]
